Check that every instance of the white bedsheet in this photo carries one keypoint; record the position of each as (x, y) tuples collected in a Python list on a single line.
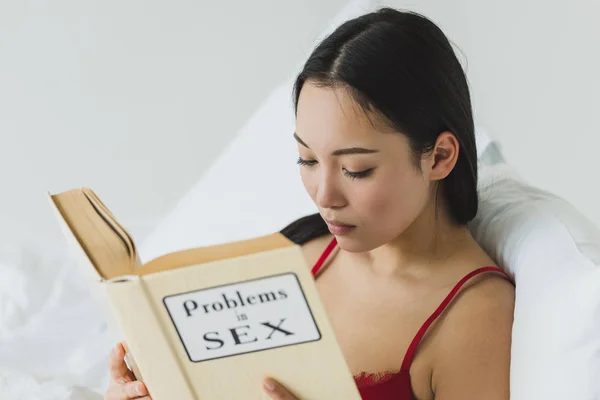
[(54, 340)]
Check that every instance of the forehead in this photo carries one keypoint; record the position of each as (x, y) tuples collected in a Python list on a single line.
[(332, 114), (329, 119)]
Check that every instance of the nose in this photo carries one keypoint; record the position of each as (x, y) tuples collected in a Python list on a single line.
[(329, 194)]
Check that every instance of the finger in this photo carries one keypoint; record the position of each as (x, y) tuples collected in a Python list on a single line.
[(133, 390), (116, 364), (276, 391)]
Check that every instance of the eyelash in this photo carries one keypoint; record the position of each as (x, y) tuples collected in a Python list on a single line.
[(306, 163), (349, 174)]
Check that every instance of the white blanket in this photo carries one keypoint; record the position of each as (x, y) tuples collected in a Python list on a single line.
[(54, 342), (21, 386)]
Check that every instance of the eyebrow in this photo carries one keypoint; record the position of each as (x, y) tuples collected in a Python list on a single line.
[(341, 152)]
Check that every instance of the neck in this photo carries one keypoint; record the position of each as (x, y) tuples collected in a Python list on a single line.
[(429, 241)]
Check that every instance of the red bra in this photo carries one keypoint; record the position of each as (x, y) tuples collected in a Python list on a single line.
[(396, 385)]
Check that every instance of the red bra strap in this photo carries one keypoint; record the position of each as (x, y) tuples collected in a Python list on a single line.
[(324, 256), (415, 343)]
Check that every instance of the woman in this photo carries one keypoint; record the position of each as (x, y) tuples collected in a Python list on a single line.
[(387, 152)]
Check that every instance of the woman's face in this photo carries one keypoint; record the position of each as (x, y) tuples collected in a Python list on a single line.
[(357, 174)]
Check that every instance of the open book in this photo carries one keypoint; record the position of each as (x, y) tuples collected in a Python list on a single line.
[(210, 322)]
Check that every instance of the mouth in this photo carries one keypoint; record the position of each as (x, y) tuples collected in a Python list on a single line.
[(333, 222), (339, 228)]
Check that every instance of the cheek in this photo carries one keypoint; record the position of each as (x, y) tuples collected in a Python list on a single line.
[(393, 203)]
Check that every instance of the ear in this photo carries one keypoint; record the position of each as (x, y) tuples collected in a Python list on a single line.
[(442, 159)]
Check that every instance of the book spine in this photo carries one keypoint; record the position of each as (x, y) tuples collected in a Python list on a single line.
[(154, 357)]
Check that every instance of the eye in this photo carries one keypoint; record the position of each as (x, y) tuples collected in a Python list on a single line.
[(306, 163), (359, 174)]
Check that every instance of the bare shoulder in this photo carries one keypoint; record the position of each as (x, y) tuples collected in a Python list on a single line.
[(472, 358)]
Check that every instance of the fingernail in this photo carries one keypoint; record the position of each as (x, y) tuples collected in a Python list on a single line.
[(140, 389), (269, 385)]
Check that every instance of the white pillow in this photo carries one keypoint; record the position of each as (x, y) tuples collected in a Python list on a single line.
[(554, 254)]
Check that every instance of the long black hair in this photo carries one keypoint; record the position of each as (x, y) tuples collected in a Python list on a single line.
[(401, 66)]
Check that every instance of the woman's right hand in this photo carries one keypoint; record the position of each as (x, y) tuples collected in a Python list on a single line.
[(123, 385)]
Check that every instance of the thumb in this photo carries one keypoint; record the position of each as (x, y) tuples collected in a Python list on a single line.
[(276, 391)]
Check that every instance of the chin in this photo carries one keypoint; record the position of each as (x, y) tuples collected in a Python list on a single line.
[(355, 244)]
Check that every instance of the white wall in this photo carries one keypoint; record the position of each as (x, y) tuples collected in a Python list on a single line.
[(132, 98), (135, 98)]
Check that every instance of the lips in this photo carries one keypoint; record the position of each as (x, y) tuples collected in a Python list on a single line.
[(339, 228), (338, 223)]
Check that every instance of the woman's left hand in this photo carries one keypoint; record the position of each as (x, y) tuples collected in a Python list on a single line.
[(276, 391)]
